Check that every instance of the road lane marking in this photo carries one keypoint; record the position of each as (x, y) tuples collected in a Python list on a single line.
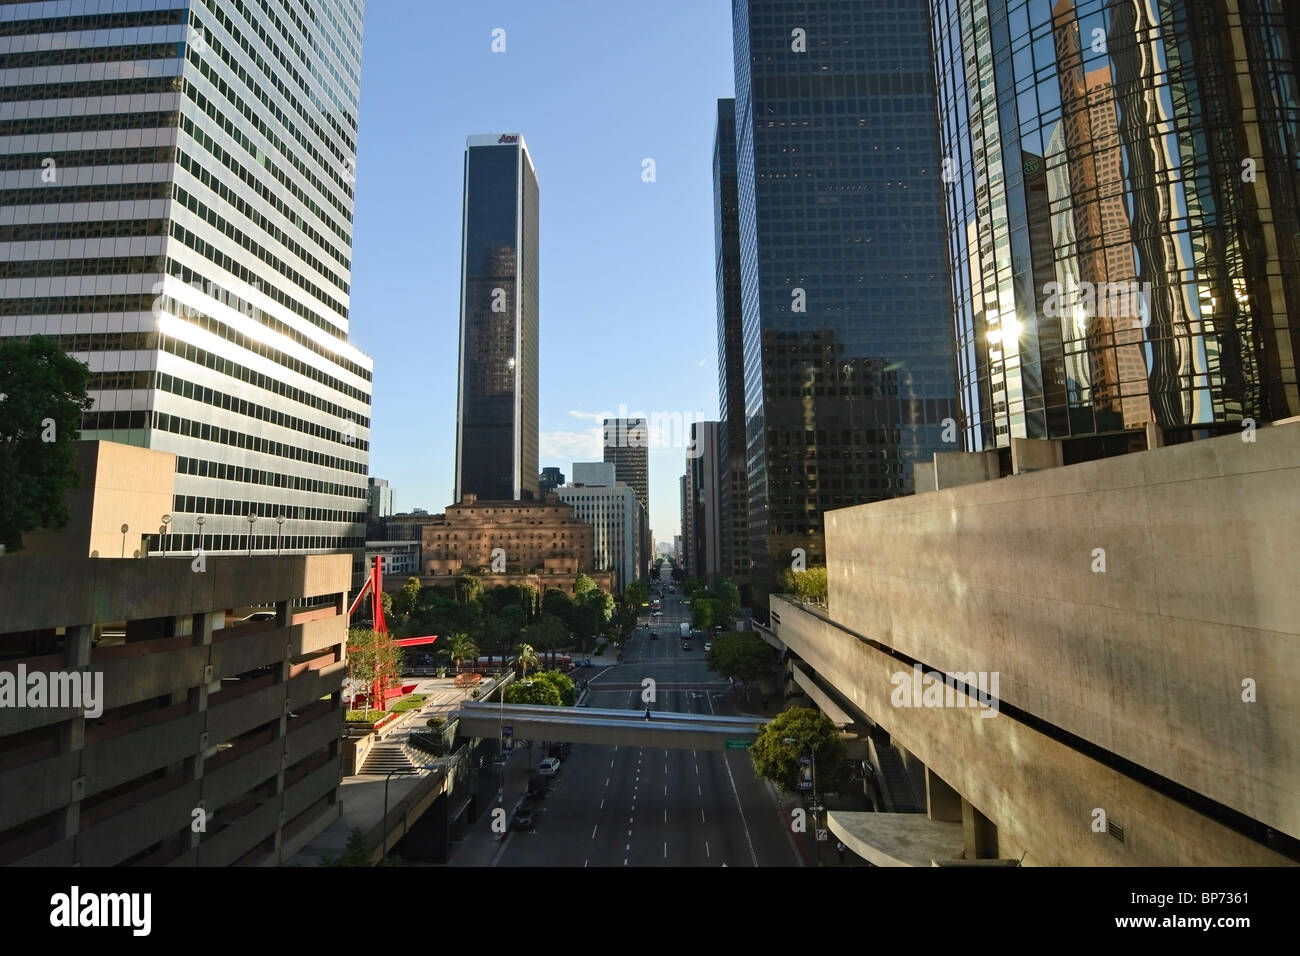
[(602, 803), (665, 849), (706, 848), (593, 832), (607, 781), (698, 790), (702, 820), (730, 776), (665, 816)]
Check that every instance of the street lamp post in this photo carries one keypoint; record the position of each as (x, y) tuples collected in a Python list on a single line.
[(252, 518), (125, 529), (199, 521), (812, 753), (279, 520), (383, 828), (166, 520)]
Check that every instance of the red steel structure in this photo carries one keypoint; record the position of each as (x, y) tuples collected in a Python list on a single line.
[(384, 685)]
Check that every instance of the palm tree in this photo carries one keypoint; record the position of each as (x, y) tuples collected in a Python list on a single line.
[(462, 648), (526, 657)]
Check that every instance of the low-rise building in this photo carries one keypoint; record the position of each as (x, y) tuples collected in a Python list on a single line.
[(615, 515)]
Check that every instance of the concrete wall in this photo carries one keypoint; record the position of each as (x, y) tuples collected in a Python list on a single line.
[(121, 484), (1145, 659), (1039, 792)]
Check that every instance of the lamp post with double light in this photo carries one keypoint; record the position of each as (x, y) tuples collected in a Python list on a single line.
[(812, 756)]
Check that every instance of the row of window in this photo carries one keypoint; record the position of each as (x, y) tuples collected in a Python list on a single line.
[(199, 504), (237, 439), (89, 123), (247, 209), (44, 268), (89, 54), (203, 468), (84, 229), (208, 396), (125, 86), (212, 543), (126, 156), (242, 306), (332, 168), (236, 269), (50, 194), (98, 21)]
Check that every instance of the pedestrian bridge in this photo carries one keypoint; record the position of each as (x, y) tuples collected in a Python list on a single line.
[(666, 729)]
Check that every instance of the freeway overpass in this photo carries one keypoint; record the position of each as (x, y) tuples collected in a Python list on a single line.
[(666, 729)]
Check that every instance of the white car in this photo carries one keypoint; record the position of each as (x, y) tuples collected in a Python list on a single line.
[(549, 766), (708, 645)]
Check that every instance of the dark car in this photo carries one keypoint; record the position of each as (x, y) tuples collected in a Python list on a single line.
[(654, 635), (523, 819), (538, 786), (686, 646)]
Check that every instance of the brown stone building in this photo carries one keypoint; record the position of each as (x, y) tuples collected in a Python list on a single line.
[(537, 539)]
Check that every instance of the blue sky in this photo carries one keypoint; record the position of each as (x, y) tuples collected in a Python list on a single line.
[(628, 305)]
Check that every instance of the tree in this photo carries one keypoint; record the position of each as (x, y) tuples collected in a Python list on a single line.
[(808, 585), (701, 613), (462, 648), (678, 574), (728, 594), (374, 662), (582, 586), (42, 397), (532, 692), (526, 657), (636, 593), (469, 588), (559, 604), (806, 727), (407, 598), (654, 574), (562, 683), (741, 655), (386, 602)]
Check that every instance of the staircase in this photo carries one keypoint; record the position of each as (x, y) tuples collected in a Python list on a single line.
[(393, 755), (898, 785)]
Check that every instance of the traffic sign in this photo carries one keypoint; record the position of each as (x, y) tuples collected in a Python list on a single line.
[(507, 732), (823, 836), (739, 744)]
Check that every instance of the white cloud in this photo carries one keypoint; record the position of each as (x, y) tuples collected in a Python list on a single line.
[(700, 363), (568, 447), (590, 416)]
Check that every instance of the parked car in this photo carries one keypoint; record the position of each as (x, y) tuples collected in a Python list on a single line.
[(686, 645), (523, 819), (549, 767), (537, 787), (708, 645)]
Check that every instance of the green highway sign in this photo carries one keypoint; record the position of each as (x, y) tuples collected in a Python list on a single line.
[(739, 744)]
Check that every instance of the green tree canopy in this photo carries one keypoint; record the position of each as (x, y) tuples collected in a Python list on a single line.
[(42, 397), (728, 594), (690, 586), (374, 662), (533, 691), (807, 585), (806, 727), (562, 683), (741, 655), (636, 593)]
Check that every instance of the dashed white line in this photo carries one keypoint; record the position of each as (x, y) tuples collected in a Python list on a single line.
[(602, 803), (593, 832), (665, 849), (702, 820), (665, 816), (607, 781), (706, 848)]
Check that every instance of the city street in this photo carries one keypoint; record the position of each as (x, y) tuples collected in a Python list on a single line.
[(632, 806)]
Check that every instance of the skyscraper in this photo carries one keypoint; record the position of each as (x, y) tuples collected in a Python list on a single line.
[(733, 503), (550, 479), (848, 363), (627, 445), (1124, 212), (176, 210), (496, 413), (703, 490)]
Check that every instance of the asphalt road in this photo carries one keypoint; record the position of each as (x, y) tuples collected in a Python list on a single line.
[(634, 806)]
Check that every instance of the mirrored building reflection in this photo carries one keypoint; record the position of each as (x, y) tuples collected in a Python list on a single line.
[(1123, 216)]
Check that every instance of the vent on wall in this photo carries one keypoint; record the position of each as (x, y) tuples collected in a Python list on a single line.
[(1115, 830)]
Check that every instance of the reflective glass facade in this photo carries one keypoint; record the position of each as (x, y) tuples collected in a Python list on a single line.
[(176, 183), (848, 358), (733, 483), (1124, 223), (496, 420)]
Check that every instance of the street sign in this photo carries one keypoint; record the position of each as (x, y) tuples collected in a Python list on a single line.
[(805, 773), (507, 732), (739, 744), (823, 836)]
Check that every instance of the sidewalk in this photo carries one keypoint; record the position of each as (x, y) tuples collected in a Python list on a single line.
[(480, 845)]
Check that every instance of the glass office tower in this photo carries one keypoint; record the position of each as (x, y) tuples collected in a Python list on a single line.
[(844, 287), (496, 414), (1123, 215), (176, 210), (733, 482)]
